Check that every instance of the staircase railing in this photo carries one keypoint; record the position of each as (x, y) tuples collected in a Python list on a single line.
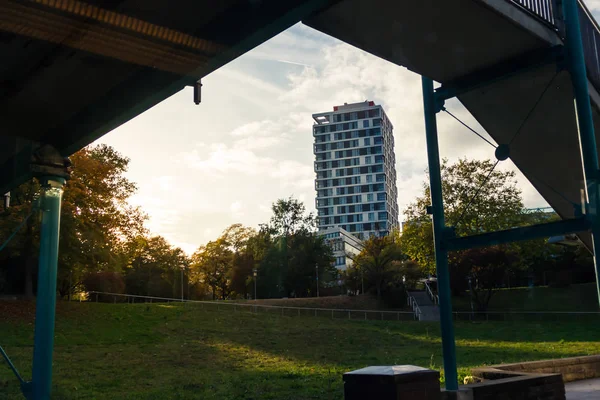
[(434, 297), (412, 302)]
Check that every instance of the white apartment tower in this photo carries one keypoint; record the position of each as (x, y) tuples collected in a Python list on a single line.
[(355, 166)]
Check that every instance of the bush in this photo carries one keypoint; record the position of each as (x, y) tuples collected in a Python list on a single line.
[(110, 282)]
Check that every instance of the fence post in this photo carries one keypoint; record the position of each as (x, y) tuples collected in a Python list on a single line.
[(114, 299), (96, 297), (298, 312), (365, 315), (349, 315)]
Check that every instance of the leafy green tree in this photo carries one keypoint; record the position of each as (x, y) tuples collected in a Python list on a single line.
[(289, 217), (96, 218), (213, 263), (377, 260), (154, 267), (486, 267), (497, 205)]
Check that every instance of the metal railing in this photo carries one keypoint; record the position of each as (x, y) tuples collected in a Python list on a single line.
[(546, 10), (590, 34), (550, 12), (333, 313), (434, 297), (416, 311), (352, 314)]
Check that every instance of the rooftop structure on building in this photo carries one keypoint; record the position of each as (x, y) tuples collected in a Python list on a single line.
[(355, 170)]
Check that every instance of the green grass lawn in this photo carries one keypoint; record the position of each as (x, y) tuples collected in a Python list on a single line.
[(582, 297), (174, 351)]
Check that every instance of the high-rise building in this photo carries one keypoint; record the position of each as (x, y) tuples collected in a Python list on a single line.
[(356, 170)]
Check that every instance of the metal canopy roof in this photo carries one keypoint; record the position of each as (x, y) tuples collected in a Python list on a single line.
[(72, 71)]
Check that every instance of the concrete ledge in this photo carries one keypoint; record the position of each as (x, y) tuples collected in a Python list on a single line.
[(572, 368), (500, 384)]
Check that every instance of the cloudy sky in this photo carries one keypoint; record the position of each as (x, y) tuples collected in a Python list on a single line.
[(202, 168)]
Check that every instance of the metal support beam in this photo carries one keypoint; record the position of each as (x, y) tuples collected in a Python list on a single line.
[(441, 255), (518, 234), (46, 294), (587, 140)]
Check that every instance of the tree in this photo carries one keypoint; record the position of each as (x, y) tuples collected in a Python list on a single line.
[(377, 258), (243, 258), (96, 218), (497, 205), (289, 217), (154, 267), (213, 264), (486, 267)]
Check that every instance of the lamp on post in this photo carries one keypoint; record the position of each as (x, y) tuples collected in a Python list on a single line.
[(254, 273), (317, 273), (471, 295)]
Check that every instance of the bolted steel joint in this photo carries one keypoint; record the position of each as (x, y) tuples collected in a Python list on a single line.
[(48, 163)]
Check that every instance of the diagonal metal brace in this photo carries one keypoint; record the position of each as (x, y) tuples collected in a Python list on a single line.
[(573, 225)]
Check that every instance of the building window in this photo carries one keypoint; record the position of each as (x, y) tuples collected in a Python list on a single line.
[(367, 141), (368, 160), (366, 123), (369, 197), (371, 216), (369, 178)]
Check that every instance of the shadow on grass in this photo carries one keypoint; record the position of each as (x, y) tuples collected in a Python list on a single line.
[(155, 352)]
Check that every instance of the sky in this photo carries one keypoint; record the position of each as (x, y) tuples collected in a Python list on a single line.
[(201, 168)]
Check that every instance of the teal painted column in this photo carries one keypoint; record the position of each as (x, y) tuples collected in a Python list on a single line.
[(587, 139), (46, 293), (441, 255)]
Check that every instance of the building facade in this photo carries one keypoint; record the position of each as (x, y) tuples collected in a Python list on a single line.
[(343, 244), (355, 168)]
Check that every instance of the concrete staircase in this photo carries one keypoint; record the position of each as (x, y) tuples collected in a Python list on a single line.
[(429, 310)]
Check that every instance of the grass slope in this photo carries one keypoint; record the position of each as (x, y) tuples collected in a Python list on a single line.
[(362, 302), (174, 351)]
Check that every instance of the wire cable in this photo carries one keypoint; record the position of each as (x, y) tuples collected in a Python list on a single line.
[(537, 102), (487, 177), (469, 128)]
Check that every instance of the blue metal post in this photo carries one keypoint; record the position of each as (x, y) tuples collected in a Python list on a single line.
[(46, 293), (441, 255), (587, 139)]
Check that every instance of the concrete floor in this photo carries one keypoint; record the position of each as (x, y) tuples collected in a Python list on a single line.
[(583, 390)]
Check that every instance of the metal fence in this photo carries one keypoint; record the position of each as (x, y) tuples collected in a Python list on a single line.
[(333, 313), (361, 315)]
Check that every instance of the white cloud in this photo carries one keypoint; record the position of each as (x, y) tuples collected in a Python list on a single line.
[(237, 209), (250, 141)]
